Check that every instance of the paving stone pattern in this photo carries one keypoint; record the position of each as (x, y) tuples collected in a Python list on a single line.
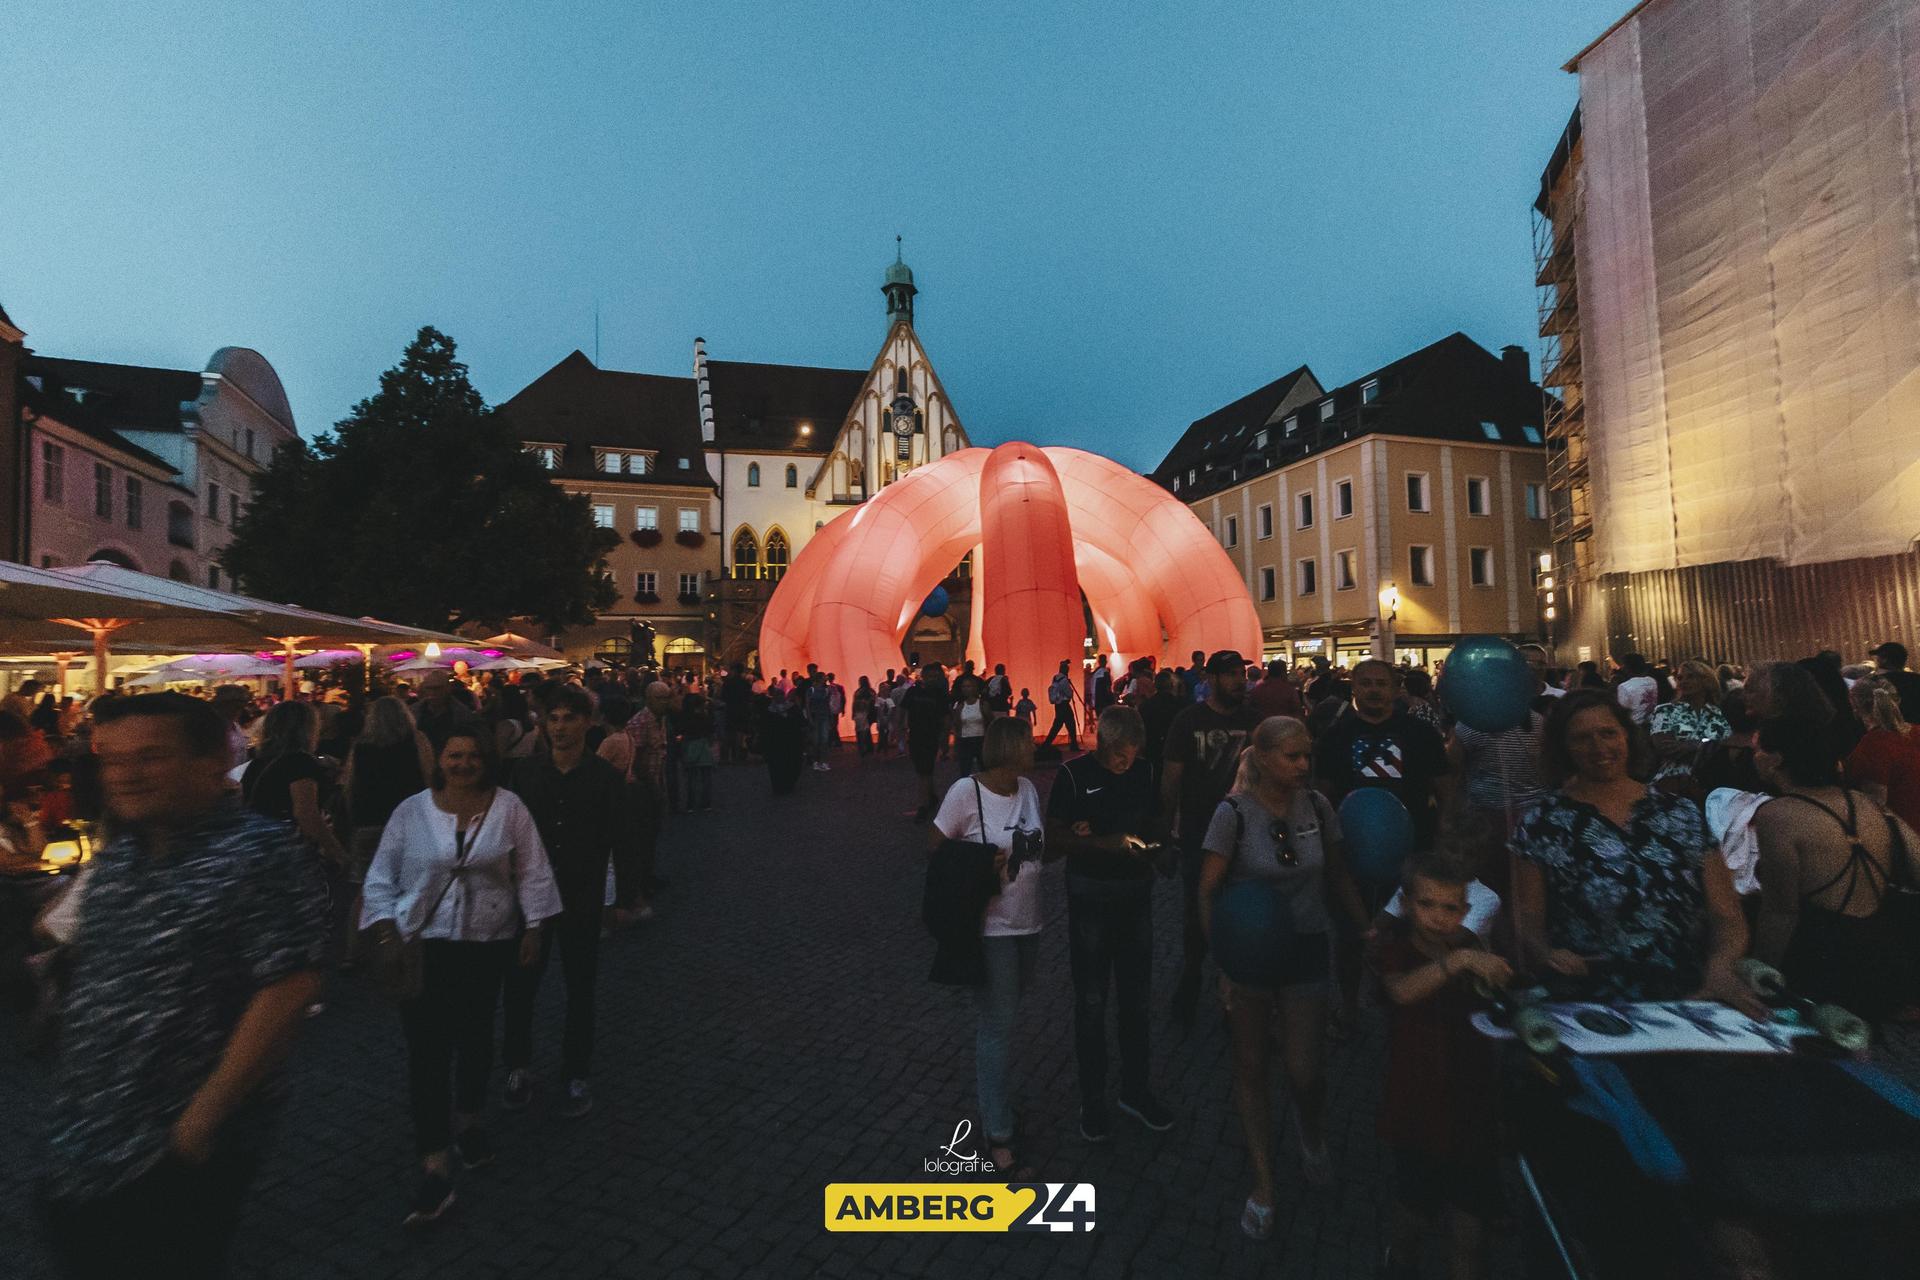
[(772, 1032)]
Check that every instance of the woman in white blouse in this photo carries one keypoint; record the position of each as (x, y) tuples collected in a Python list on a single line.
[(460, 867)]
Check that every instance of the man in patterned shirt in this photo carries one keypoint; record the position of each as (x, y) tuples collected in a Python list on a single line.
[(199, 947)]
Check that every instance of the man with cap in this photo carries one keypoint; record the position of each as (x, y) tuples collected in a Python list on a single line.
[(1198, 764), (1891, 661)]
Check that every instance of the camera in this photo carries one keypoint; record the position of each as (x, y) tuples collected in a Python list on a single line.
[(1028, 844)]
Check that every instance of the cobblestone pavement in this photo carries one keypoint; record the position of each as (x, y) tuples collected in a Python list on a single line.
[(772, 1032)]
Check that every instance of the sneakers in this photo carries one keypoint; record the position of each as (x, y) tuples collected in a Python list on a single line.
[(519, 1090), (579, 1099), (1094, 1126), (433, 1197), (475, 1148), (1147, 1110)]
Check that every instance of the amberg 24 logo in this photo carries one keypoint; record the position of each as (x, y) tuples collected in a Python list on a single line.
[(975, 1206)]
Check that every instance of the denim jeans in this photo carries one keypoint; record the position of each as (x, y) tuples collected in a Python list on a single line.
[(1110, 939), (1010, 961)]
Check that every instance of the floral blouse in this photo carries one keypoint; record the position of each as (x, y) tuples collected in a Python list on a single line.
[(1634, 895), (1688, 723)]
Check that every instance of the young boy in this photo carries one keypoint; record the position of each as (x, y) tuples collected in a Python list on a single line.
[(1024, 709), (1436, 1110)]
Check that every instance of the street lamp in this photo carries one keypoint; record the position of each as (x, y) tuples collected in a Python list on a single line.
[(1389, 614)]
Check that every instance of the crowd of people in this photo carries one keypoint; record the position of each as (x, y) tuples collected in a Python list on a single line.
[(1642, 831)]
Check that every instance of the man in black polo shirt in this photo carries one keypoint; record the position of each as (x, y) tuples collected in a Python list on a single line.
[(578, 801), (1197, 769), (1891, 661), (1100, 813)]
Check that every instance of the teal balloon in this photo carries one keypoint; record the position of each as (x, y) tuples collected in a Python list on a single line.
[(1251, 924), (1487, 685), (936, 603), (1378, 832)]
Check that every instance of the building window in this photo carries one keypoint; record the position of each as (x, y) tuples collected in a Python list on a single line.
[(1309, 578), (1532, 434), (646, 517), (1176, 484), (776, 554), (178, 572), (1420, 566), (689, 520), (753, 475), (53, 472), (603, 515), (613, 463), (213, 503), (1343, 571), (213, 576), (180, 524), (1326, 409), (689, 584), (1290, 424), (1232, 537), (1536, 502), (746, 552), (233, 508), (103, 490), (1260, 438), (133, 502), (1369, 391), (546, 455), (1478, 501), (1303, 509), (1263, 522), (793, 476), (1490, 430), (1417, 498), (1266, 584), (1480, 566), (646, 583), (686, 464), (1534, 558), (1343, 500), (249, 439)]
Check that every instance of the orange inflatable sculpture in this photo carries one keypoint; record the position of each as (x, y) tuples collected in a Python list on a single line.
[(1045, 526)]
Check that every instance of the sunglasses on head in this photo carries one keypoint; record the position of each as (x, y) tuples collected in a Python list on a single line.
[(1283, 843)]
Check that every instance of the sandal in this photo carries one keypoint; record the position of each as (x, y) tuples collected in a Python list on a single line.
[(1256, 1219), (1014, 1169)]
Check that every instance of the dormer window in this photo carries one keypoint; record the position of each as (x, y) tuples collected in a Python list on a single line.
[(1490, 430), (1326, 409), (547, 455), (1532, 434), (623, 462), (1369, 391), (1290, 424), (1260, 438)]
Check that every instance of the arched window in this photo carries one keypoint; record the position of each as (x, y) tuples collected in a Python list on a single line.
[(753, 475), (110, 556), (178, 572), (793, 476), (746, 554), (776, 557), (856, 474), (180, 524)]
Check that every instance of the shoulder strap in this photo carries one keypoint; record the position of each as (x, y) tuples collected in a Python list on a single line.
[(980, 808), (1847, 824)]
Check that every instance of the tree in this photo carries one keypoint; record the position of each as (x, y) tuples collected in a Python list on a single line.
[(421, 506)]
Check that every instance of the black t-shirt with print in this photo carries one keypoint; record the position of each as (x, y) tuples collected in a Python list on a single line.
[(1401, 754), (1084, 790), (1206, 743)]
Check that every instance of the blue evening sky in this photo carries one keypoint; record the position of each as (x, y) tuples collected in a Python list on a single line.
[(1120, 216)]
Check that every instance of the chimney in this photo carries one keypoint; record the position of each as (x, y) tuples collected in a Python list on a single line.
[(1515, 358), (704, 389)]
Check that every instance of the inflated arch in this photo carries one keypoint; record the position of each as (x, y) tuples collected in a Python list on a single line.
[(1045, 525)]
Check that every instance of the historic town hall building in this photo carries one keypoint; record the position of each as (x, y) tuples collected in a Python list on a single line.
[(716, 482)]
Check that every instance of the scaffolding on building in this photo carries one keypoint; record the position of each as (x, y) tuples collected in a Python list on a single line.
[(1556, 216)]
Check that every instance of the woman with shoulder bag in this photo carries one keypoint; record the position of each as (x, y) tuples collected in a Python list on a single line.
[(1273, 827), (998, 806), (459, 870)]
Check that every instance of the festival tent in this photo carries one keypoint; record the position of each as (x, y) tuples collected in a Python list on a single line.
[(522, 646)]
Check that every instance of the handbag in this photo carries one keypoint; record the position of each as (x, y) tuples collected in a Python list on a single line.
[(959, 958), (395, 963)]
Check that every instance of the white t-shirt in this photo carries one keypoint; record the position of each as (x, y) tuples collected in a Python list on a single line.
[(973, 720), (1639, 696), (1483, 908), (1017, 908)]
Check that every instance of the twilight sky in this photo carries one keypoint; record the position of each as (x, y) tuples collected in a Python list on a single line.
[(1120, 217)]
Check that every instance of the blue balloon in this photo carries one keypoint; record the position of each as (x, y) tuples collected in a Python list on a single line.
[(1251, 926), (1378, 832), (1487, 684), (936, 603)]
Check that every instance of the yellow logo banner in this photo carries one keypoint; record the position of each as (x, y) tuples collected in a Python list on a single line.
[(959, 1206)]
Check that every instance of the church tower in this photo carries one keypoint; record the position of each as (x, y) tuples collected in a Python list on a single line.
[(899, 289)]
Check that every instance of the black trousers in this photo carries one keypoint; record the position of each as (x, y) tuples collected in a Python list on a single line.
[(450, 1034), (577, 933), (1063, 719), (175, 1218), (1110, 945)]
